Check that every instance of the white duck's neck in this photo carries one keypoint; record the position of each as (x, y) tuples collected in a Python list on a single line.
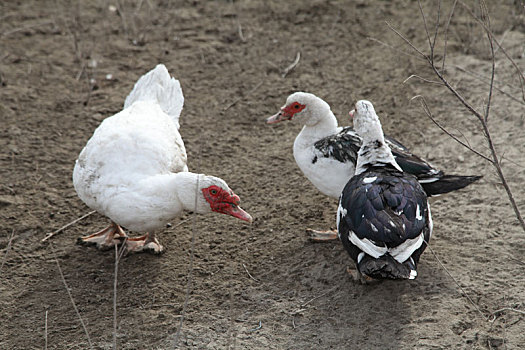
[(175, 192), (374, 151), (325, 124)]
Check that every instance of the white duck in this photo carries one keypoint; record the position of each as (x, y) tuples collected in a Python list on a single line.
[(133, 169), (327, 153), (383, 218)]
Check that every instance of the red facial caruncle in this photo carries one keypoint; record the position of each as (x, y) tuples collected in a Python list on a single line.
[(286, 113), (222, 201)]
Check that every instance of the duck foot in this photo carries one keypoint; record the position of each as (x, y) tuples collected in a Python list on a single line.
[(147, 243), (357, 276), (322, 236), (105, 239)]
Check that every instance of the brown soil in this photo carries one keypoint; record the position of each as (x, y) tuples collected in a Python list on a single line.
[(300, 296)]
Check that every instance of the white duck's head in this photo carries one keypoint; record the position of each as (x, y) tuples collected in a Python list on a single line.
[(215, 195), (366, 122), (303, 107)]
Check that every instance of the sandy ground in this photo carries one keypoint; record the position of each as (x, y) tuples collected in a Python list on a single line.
[(65, 67)]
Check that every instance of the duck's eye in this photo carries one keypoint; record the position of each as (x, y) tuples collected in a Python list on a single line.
[(213, 191), (296, 106)]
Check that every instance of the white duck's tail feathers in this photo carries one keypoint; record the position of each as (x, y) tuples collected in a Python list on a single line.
[(158, 86)]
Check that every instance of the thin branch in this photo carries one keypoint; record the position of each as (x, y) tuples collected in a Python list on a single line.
[(493, 69), (406, 41), (319, 296), (292, 66), (482, 118), (51, 234), (249, 274), (7, 249), (446, 36), (508, 309), (115, 282), (437, 25), (427, 111), (518, 69), (457, 283), (71, 298), (190, 272), (16, 30), (396, 49), (422, 79), (481, 78), (45, 332), (426, 29), (240, 98)]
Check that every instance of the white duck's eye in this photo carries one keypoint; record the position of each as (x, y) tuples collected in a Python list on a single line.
[(296, 106), (214, 191)]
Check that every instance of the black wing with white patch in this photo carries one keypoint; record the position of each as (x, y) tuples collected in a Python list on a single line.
[(342, 146), (411, 163), (385, 206)]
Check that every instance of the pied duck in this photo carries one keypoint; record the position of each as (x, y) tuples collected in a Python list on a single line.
[(383, 218), (327, 153), (133, 169)]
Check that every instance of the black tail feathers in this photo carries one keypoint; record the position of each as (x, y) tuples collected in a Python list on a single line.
[(448, 183), (386, 267)]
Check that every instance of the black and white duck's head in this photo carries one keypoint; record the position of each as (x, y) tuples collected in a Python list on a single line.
[(366, 122)]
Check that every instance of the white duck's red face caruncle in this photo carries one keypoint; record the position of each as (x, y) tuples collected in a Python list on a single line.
[(286, 113), (222, 201)]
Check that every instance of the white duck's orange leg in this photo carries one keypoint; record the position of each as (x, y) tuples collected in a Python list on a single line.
[(106, 238), (322, 236), (146, 243)]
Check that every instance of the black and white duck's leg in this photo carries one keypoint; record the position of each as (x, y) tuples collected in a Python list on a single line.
[(322, 236), (145, 243), (357, 276), (106, 238)]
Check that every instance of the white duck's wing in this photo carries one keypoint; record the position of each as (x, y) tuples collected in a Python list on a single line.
[(139, 142), (159, 87)]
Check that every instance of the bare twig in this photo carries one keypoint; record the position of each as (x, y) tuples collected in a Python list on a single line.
[(317, 297), (45, 332), (7, 249), (508, 309), (520, 73), (292, 66), (426, 28), (239, 30), (457, 283), (493, 56), (483, 79), (256, 328), (483, 118), (428, 112), (190, 272), (422, 79), (446, 36), (249, 274), (437, 25), (71, 298), (240, 98), (396, 49), (118, 255), (51, 234), (36, 25), (406, 41)]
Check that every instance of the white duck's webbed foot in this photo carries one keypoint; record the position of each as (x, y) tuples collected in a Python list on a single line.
[(146, 243), (322, 236), (105, 239)]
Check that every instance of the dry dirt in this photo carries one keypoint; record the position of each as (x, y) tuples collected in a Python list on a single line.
[(66, 66)]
